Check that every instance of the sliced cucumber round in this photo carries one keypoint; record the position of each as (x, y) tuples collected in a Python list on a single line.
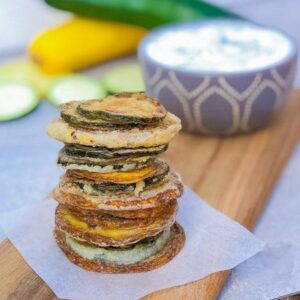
[(124, 78), (124, 108), (16, 99), (75, 87)]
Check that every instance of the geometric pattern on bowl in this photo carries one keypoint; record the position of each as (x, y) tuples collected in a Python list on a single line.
[(220, 105)]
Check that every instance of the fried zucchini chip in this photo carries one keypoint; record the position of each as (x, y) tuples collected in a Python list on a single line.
[(94, 188), (144, 213), (68, 112), (154, 169), (106, 230), (170, 188), (100, 165), (124, 108), (135, 137), (141, 257), (105, 153)]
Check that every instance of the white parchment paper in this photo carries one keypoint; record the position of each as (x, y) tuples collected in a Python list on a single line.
[(213, 243), (275, 272)]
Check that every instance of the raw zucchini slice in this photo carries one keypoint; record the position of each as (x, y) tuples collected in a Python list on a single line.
[(69, 114), (27, 71), (107, 153), (124, 108), (124, 78), (75, 87), (16, 99)]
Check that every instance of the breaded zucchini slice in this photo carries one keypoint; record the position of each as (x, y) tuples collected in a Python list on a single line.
[(69, 114), (77, 150), (152, 168), (124, 108), (90, 186), (143, 256)]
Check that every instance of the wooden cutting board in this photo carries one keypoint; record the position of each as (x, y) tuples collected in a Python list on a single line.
[(235, 175)]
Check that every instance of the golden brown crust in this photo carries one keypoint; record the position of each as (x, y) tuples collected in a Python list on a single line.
[(126, 138), (71, 196), (113, 205), (126, 104), (96, 228), (151, 212), (172, 248), (148, 213), (65, 159), (125, 177)]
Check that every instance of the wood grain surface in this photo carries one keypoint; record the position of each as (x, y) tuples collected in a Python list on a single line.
[(235, 175)]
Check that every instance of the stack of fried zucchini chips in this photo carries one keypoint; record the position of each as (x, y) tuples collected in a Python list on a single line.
[(117, 201)]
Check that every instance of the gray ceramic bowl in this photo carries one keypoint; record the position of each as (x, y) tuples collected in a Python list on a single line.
[(218, 102)]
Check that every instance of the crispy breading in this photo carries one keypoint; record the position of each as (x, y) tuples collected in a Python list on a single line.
[(64, 159), (129, 138), (171, 249), (106, 230), (171, 188), (125, 177), (144, 213)]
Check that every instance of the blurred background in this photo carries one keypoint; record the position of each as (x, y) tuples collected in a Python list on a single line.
[(21, 20), (31, 30)]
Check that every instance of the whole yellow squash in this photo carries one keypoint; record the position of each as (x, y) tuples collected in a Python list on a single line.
[(80, 43)]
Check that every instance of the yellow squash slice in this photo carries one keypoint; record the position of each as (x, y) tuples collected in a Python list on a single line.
[(125, 177)]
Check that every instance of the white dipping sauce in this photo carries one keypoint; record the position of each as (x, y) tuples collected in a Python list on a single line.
[(219, 46)]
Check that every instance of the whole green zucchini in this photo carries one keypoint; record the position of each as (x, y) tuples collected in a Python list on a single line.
[(146, 13)]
